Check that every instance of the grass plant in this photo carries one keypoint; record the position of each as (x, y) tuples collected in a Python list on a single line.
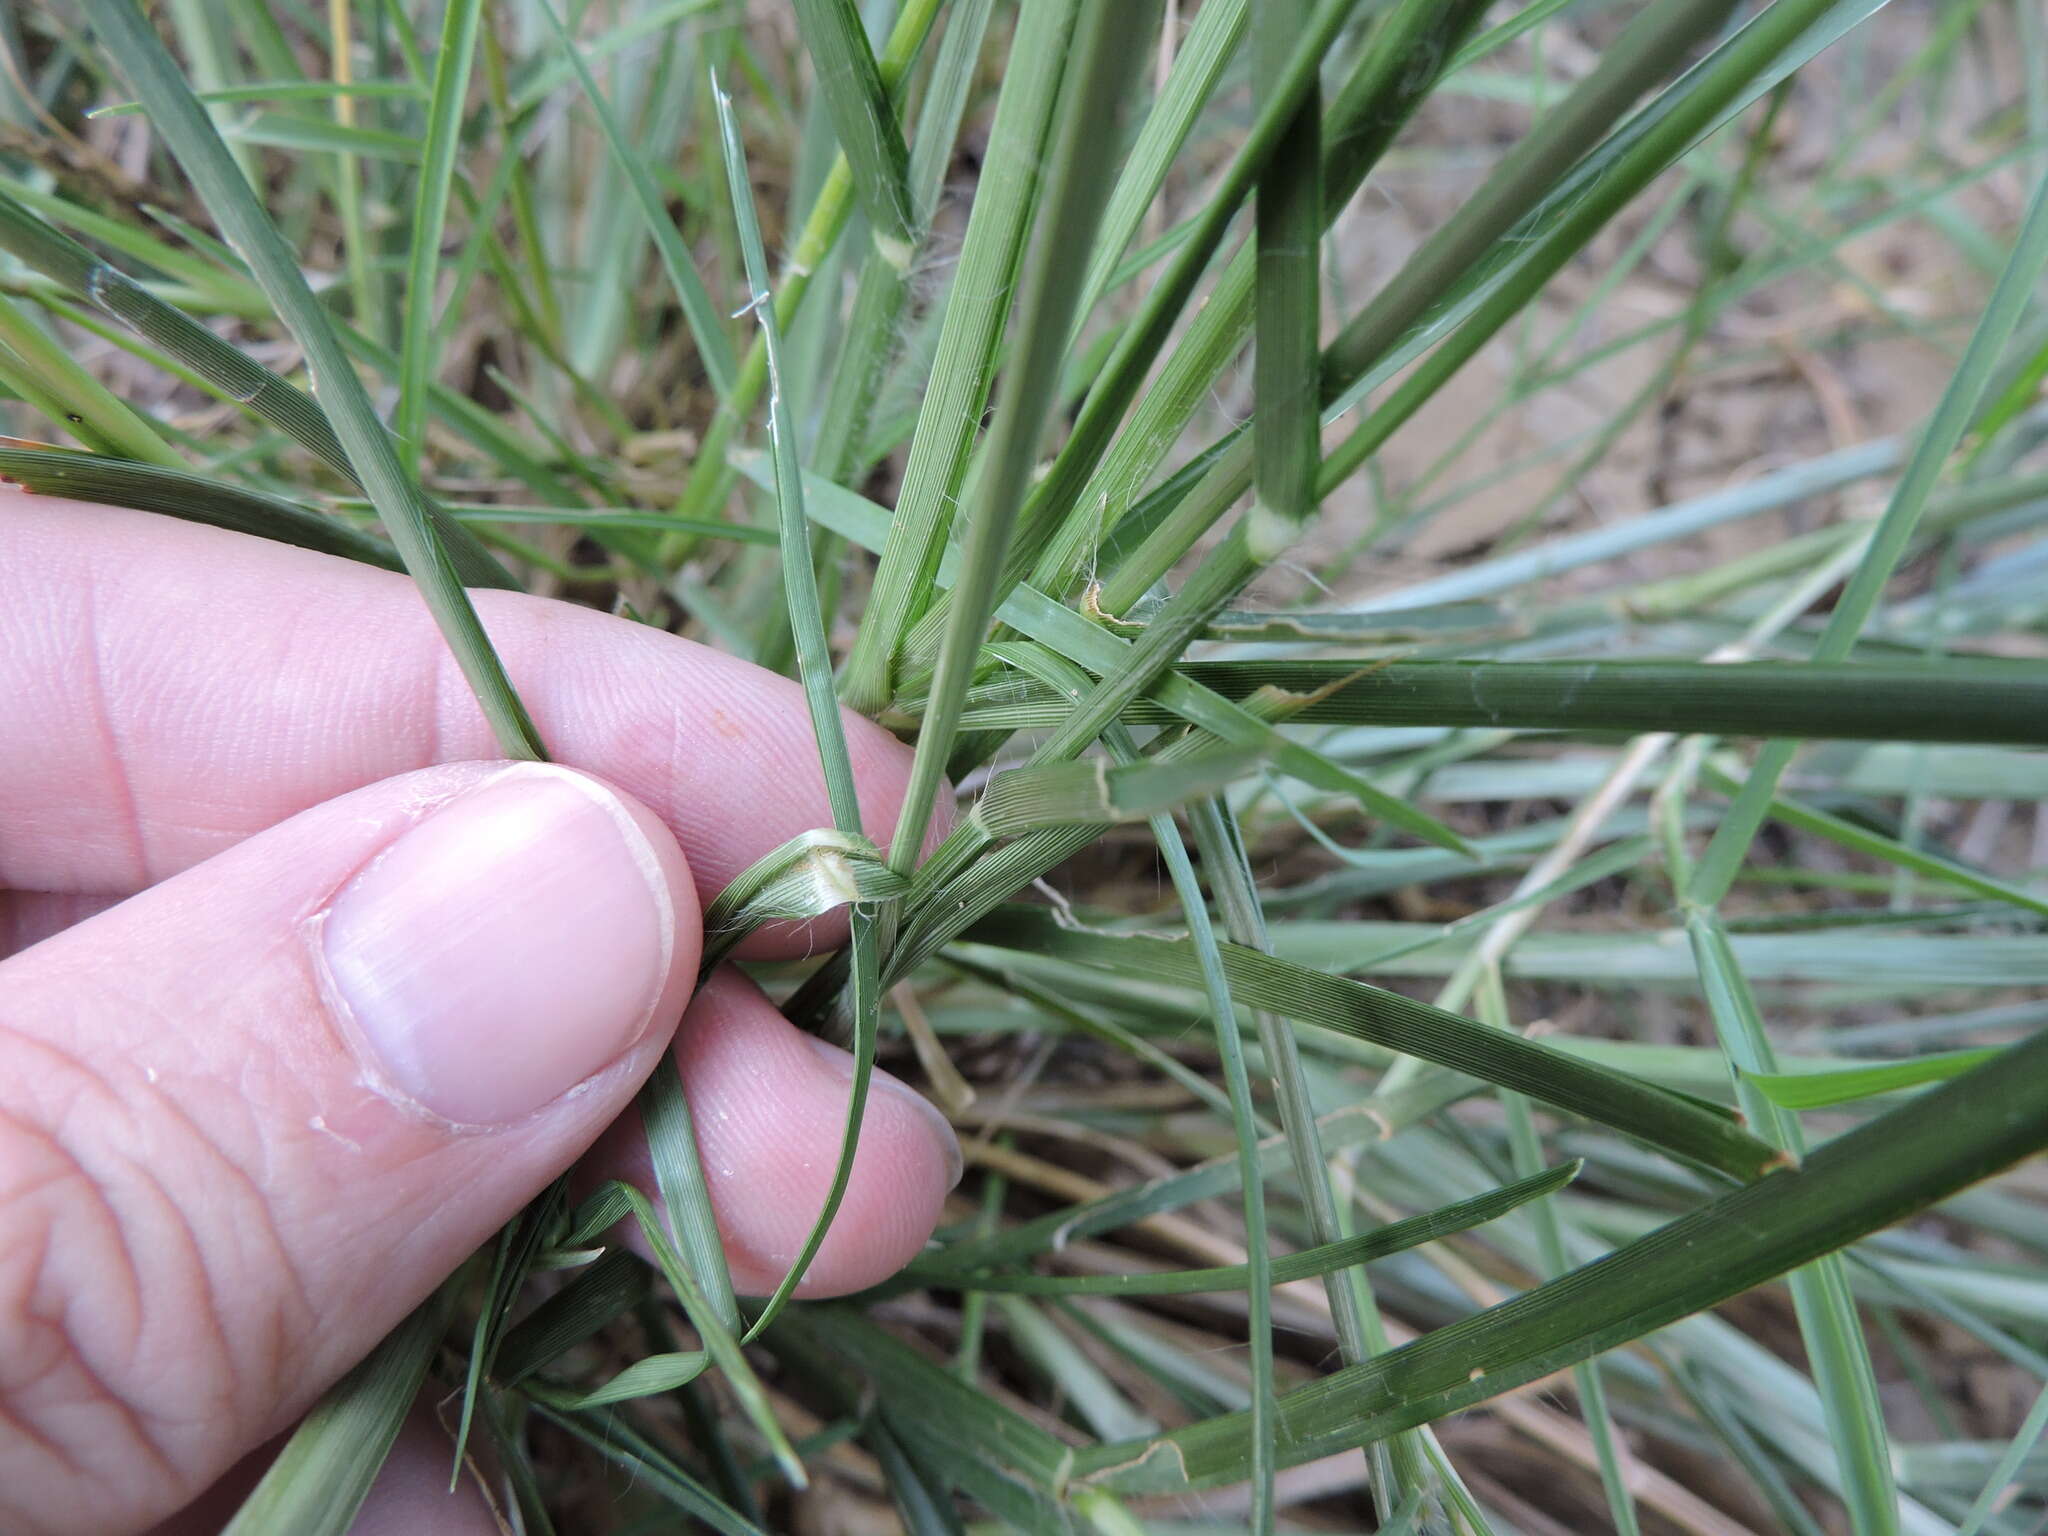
[(1424, 805)]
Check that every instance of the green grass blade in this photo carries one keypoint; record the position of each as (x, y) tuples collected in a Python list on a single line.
[(1884, 1171), (325, 1470), (1308, 1264), (924, 1507), (710, 478), (2017, 396), (1198, 62), (605, 1431), (649, 1376), (47, 376), (221, 365), (1068, 634), (1368, 338), (685, 1196), (841, 449), (720, 1341), (367, 289), (2008, 1469), (199, 268), (544, 78), (814, 668), (707, 330), (599, 519), (1848, 834), (924, 1400), (513, 1258), (1292, 84), (605, 1289), (1846, 1085), (1650, 48), (1495, 38), (1091, 790), (310, 135), (1572, 212), (957, 386), (452, 63), (1220, 842), (863, 118), (1261, 1464), (532, 244), (1674, 1123), (1395, 72), (233, 372), (1219, 1174), (175, 493), (285, 90), (1525, 1149), (1961, 700), (154, 78), (1098, 82), (1723, 859), (800, 584), (1286, 420), (1828, 1324), (1257, 1273), (1034, 1333)]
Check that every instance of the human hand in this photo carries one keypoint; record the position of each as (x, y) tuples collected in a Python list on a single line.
[(323, 995)]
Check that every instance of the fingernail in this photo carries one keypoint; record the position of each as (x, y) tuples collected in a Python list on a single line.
[(506, 948), (883, 1084)]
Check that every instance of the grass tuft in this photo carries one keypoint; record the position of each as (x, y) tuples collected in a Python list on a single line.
[(1541, 502)]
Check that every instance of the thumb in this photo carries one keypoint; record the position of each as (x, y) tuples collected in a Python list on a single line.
[(250, 1117)]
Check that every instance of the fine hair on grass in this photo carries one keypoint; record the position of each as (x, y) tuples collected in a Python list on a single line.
[(1479, 571)]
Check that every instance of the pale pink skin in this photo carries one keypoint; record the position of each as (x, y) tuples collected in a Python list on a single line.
[(207, 1213)]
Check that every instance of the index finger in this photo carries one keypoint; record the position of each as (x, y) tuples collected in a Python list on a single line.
[(168, 689)]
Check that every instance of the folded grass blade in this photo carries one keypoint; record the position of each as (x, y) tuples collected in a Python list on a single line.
[(814, 669), (459, 27)]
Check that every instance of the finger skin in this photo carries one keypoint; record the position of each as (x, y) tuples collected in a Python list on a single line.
[(210, 1206), (167, 689), (207, 1210), (769, 1106), (29, 917), (411, 1496)]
